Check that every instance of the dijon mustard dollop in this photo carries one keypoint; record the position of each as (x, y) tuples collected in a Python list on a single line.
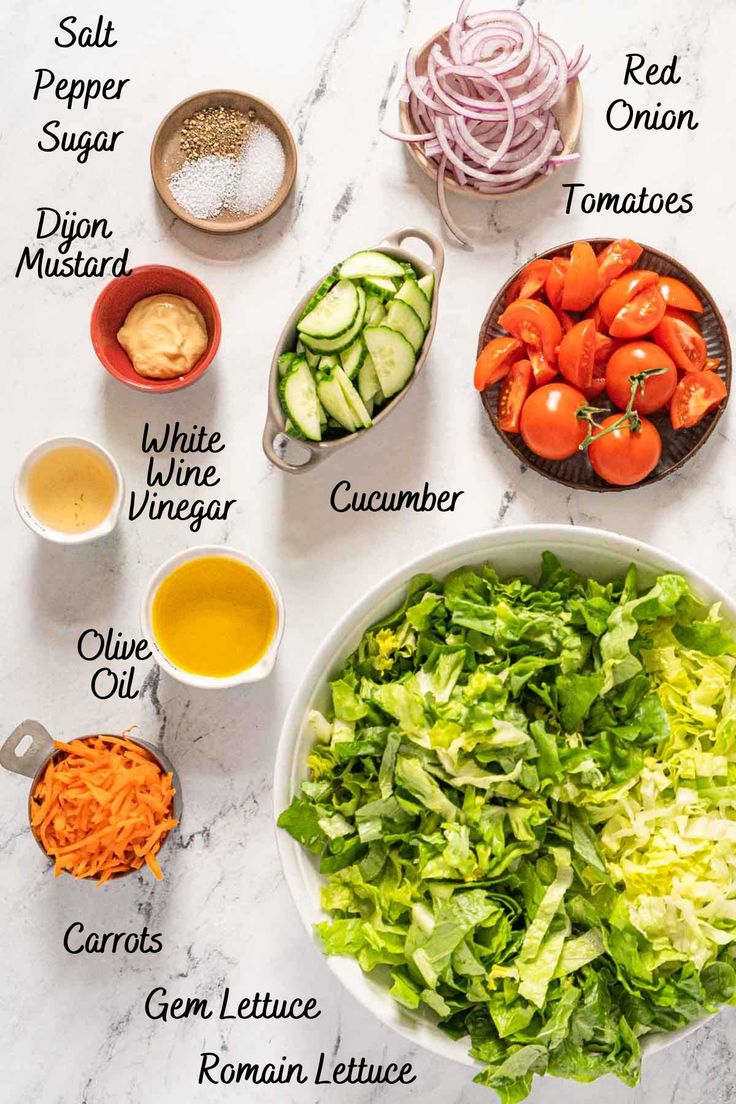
[(164, 336)]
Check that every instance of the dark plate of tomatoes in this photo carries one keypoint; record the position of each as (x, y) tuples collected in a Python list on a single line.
[(603, 364)]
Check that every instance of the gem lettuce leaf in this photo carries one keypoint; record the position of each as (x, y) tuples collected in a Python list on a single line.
[(523, 804)]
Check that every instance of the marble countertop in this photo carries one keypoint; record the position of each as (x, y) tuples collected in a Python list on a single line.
[(72, 1028)]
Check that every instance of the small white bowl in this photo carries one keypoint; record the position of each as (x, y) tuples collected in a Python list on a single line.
[(22, 505), (260, 670)]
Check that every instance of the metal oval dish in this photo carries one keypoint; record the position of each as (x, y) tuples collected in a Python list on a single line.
[(167, 157), (568, 112), (32, 762), (517, 550), (275, 419), (677, 445)]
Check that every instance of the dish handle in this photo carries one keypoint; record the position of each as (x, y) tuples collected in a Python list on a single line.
[(274, 429), (30, 760), (398, 237)]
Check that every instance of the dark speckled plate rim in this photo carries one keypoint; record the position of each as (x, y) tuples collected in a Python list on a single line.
[(707, 426)]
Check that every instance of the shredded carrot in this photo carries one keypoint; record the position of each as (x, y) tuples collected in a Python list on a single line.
[(102, 806)]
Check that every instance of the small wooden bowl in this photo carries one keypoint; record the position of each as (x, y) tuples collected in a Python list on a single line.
[(167, 157), (677, 445), (112, 307), (568, 112)]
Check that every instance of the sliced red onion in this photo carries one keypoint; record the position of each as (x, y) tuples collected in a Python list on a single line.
[(484, 111)]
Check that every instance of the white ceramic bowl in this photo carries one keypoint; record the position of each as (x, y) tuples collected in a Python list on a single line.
[(21, 493), (259, 670), (592, 552)]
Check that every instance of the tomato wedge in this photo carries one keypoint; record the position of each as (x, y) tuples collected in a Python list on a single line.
[(615, 259), (543, 372), (566, 320), (535, 324), (712, 363), (556, 281), (515, 390), (549, 421), (686, 347), (581, 281), (596, 388), (625, 456), (677, 294), (685, 317), (495, 360), (576, 354), (622, 290), (696, 395), (605, 347), (640, 315), (530, 280), (632, 359)]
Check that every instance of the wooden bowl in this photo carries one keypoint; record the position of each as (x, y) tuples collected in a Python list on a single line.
[(112, 307), (677, 445), (568, 112), (167, 157)]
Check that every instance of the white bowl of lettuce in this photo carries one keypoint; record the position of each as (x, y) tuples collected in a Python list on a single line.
[(510, 821)]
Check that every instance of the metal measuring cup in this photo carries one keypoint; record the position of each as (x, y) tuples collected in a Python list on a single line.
[(33, 759)]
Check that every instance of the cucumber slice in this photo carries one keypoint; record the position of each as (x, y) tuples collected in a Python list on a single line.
[(299, 400), (334, 314), (311, 358), (393, 358), (337, 344), (409, 271), (332, 397), (326, 362), (327, 284), (368, 382), (369, 263), (402, 318), (411, 293), (353, 399), (380, 286), (426, 284), (352, 358), (287, 361), (377, 317)]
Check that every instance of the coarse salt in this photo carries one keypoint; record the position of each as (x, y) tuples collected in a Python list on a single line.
[(260, 171), (203, 187)]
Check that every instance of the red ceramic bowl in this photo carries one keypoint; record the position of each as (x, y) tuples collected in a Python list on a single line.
[(122, 293)]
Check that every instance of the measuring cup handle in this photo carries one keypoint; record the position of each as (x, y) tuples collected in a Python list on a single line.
[(273, 430), (30, 761)]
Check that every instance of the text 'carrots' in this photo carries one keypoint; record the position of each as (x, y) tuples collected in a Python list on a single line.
[(102, 807)]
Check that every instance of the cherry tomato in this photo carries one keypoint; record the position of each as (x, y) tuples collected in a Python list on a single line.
[(581, 282), (685, 317), (495, 360), (640, 315), (615, 297), (576, 354), (678, 294), (535, 324), (624, 457), (597, 387), (686, 347), (605, 347), (696, 394), (631, 359), (615, 259), (543, 372), (530, 281), (549, 422), (515, 389), (556, 281)]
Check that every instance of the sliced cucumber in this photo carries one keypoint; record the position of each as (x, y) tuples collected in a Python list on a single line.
[(380, 286), (300, 402), (311, 358), (372, 301), (352, 358), (332, 397), (326, 362), (368, 383), (411, 293), (337, 344), (402, 318), (286, 361), (377, 317), (369, 263), (393, 357), (426, 284), (328, 283), (334, 315), (409, 271), (353, 399)]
